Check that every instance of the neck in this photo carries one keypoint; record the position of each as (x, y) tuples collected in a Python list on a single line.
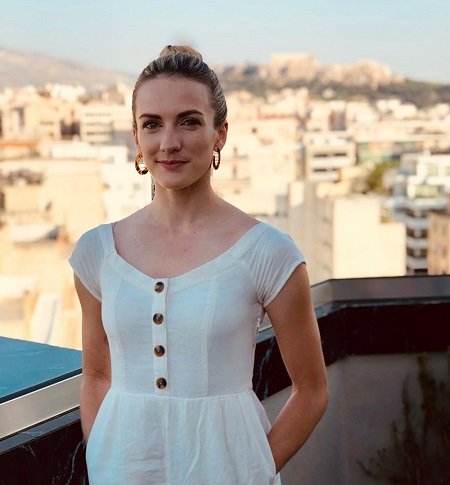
[(183, 211)]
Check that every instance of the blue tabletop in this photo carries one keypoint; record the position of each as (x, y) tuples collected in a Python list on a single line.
[(27, 366)]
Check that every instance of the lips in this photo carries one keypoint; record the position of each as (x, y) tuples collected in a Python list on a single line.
[(171, 164)]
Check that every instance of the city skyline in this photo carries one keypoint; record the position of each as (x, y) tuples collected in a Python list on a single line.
[(412, 37)]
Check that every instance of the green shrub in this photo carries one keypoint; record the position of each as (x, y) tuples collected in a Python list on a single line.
[(419, 451)]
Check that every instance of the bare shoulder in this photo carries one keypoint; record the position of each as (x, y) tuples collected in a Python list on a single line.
[(129, 222), (237, 221), (130, 226), (127, 231)]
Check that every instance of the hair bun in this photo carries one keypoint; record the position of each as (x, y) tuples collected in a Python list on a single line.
[(171, 50)]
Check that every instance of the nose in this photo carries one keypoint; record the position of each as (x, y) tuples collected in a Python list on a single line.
[(170, 141)]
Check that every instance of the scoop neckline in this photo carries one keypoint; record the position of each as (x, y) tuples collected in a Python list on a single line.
[(126, 265)]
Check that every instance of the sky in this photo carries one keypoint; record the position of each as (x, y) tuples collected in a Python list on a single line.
[(411, 36)]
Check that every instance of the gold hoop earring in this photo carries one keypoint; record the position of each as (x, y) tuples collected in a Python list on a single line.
[(153, 189), (216, 162), (139, 164)]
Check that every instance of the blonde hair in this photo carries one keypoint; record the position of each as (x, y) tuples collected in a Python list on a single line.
[(171, 50), (184, 61)]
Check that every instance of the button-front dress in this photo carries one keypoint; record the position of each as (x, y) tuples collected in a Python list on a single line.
[(181, 409)]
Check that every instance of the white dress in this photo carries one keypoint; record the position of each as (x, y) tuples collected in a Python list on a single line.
[(181, 409)]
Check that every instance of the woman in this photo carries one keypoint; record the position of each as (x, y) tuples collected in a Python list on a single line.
[(171, 300)]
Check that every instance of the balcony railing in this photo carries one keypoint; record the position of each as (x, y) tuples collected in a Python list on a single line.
[(415, 243)]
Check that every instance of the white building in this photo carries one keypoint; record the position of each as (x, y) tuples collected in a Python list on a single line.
[(324, 154), (102, 123), (439, 241), (123, 189), (259, 162), (418, 186), (344, 235)]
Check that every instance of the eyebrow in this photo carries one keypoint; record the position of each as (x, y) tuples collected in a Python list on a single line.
[(179, 115)]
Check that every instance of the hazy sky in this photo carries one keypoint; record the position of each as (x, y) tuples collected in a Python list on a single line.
[(411, 36)]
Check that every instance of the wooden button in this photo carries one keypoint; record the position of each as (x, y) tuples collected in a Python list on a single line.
[(159, 351), (161, 383), (158, 318), (159, 286)]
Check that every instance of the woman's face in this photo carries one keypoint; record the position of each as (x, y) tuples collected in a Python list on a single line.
[(175, 131)]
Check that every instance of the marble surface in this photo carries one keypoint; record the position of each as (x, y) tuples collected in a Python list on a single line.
[(49, 453), (27, 366)]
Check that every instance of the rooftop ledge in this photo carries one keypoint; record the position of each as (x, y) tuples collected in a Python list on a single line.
[(39, 384)]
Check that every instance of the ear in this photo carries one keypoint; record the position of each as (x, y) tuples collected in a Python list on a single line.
[(222, 133), (136, 141)]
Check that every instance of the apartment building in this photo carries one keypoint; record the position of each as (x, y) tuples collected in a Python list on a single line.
[(30, 115), (389, 139), (343, 234), (104, 123), (324, 154), (259, 161), (123, 191), (419, 186), (439, 241)]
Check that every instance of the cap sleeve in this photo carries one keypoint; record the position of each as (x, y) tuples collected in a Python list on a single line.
[(273, 259), (86, 261)]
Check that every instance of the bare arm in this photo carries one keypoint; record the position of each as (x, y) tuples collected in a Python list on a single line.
[(96, 378), (295, 325)]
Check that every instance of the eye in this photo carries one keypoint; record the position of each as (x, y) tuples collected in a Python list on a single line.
[(190, 122), (150, 124)]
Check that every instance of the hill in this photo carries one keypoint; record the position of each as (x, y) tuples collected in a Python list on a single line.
[(23, 68), (365, 80)]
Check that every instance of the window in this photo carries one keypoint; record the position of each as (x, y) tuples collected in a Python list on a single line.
[(432, 169)]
